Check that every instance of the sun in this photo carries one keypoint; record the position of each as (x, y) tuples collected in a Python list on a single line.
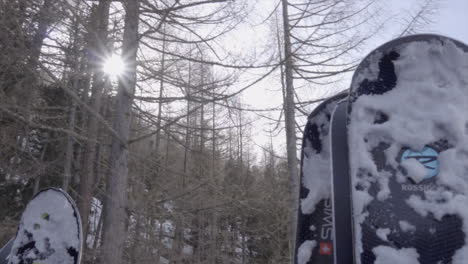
[(114, 66)]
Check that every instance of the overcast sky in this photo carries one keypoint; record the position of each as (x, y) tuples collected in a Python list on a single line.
[(452, 20)]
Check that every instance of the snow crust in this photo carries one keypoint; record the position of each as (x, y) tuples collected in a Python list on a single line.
[(388, 255), (60, 229), (428, 104), (304, 252)]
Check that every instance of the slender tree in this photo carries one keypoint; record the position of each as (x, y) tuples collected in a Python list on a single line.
[(290, 123), (115, 213)]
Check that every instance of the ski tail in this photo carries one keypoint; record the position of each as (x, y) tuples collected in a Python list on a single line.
[(314, 237), (50, 231)]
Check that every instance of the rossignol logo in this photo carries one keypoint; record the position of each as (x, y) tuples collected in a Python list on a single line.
[(417, 187), (427, 157)]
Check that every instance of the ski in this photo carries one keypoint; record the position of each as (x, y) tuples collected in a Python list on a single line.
[(5, 252), (49, 232), (314, 239), (408, 152), (341, 186)]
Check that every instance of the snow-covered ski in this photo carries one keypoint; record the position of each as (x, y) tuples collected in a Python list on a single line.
[(314, 240), (408, 152), (50, 232)]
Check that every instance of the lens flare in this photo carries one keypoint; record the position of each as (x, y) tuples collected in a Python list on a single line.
[(114, 66)]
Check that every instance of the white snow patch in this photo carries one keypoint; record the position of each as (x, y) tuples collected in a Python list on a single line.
[(460, 256), (382, 233), (384, 192), (416, 171), (94, 218), (359, 199), (163, 260), (304, 252), (388, 255), (454, 168), (187, 250), (406, 226)]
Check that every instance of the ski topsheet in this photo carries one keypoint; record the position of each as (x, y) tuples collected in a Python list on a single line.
[(408, 152), (49, 232), (314, 241)]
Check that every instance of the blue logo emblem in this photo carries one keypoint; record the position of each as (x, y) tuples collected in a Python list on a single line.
[(427, 157)]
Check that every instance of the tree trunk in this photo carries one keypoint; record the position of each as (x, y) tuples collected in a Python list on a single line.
[(74, 80), (290, 126), (87, 179), (67, 175), (161, 94), (117, 181), (178, 243), (214, 230), (43, 24)]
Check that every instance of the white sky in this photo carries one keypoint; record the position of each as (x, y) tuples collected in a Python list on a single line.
[(450, 20), (453, 20)]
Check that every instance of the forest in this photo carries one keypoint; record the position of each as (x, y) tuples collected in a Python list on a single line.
[(144, 111)]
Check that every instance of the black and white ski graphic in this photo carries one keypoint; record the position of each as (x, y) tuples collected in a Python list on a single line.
[(314, 241), (408, 152), (50, 231)]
